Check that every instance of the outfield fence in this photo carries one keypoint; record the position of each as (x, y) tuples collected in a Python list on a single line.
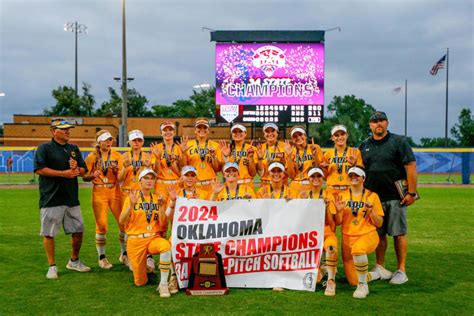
[(434, 165)]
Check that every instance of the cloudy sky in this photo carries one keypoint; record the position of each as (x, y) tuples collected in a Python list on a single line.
[(381, 44)]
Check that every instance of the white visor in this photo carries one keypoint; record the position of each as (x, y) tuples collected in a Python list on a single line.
[(298, 129), (276, 164), (104, 137), (135, 134), (146, 171), (358, 171), (187, 169), (168, 124), (230, 165), (338, 128), (272, 125), (239, 126), (315, 170)]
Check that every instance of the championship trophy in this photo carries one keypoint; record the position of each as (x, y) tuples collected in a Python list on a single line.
[(207, 273)]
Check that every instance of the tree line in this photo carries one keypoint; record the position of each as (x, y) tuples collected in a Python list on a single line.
[(349, 110)]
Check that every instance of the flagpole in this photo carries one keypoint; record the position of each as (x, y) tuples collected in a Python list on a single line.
[(446, 122), (406, 119)]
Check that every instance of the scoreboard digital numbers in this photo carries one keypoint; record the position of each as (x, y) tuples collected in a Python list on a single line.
[(270, 113)]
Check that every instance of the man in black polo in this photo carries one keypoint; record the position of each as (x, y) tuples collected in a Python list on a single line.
[(387, 158), (58, 165)]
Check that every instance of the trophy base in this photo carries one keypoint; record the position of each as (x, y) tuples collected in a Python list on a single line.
[(207, 292)]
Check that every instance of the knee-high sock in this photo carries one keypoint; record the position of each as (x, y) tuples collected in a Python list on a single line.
[(361, 263), (331, 262), (100, 244), (123, 243), (165, 263)]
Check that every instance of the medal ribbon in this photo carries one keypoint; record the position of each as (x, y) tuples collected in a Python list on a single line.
[(281, 192), (165, 154), (238, 157), (105, 167), (339, 165), (236, 192), (268, 154), (201, 155), (136, 164), (320, 194), (149, 211), (302, 160), (356, 212)]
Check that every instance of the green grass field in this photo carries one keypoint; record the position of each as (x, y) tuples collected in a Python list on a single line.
[(441, 256)]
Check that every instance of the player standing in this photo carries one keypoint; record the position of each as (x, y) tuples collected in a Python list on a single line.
[(105, 164)]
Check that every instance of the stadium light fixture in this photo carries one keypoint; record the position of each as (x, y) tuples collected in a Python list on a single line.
[(75, 28)]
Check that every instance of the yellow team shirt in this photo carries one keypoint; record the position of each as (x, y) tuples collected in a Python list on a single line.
[(321, 195), (334, 177), (242, 190), (130, 181), (203, 167), (168, 172), (304, 160), (266, 192), (354, 220), (138, 223), (240, 156), (272, 154), (93, 163)]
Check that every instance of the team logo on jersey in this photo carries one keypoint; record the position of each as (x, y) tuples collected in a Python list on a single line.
[(73, 154)]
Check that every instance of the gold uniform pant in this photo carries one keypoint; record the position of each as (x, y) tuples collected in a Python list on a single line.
[(330, 238), (138, 249), (104, 199), (357, 245)]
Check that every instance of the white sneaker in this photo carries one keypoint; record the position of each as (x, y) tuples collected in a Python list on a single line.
[(124, 260), (362, 291), (330, 288), (173, 285), (374, 276), (77, 265), (52, 273), (399, 277), (278, 289), (105, 264), (383, 273), (163, 289), (150, 265)]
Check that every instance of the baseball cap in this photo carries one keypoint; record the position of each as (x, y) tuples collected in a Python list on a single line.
[(230, 165), (135, 134), (297, 129), (201, 121), (187, 169), (272, 125), (276, 164), (146, 171), (357, 170), (61, 123), (338, 128), (104, 137), (378, 116), (315, 170), (167, 124), (239, 126)]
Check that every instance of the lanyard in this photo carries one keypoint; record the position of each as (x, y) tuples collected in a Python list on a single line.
[(238, 157), (167, 157), (300, 161), (106, 166), (268, 154), (136, 164), (148, 209), (339, 164), (354, 211), (281, 191), (202, 154), (236, 193), (320, 194), (192, 196)]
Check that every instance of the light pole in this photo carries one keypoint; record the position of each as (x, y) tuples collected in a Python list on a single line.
[(75, 28), (123, 126)]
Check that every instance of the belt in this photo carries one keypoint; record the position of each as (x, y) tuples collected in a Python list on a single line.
[(339, 187), (144, 235), (244, 181), (204, 182), (108, 185), (167, 181)]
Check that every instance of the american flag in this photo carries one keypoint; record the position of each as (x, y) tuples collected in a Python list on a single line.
[(439, 65)]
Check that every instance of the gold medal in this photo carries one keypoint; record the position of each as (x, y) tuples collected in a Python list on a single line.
[(203, 165), (341, 177), (355, 222), (169, 171), (149, 227), (105, 180)]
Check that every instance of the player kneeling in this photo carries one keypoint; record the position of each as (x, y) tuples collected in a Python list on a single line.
[(360, 212), (143, 214), (315, 177)]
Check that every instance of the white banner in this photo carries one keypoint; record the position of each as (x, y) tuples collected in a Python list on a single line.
[(263, 243)]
